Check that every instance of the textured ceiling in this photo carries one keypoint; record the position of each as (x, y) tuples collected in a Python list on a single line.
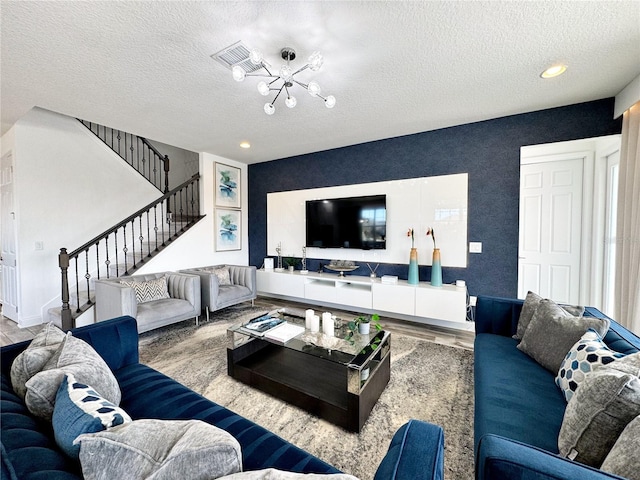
[(395, 67)]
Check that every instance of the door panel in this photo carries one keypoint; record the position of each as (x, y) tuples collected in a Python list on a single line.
[(550, 229), (8, 254)]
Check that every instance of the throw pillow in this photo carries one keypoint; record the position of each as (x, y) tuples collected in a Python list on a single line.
[(598, 412), (551, 334), (222, 274), (149, 290), (531, 302), (587, 354), (78, 358), (159, 449), (273, 474), (80, 409), (33, 359), (623, 459)]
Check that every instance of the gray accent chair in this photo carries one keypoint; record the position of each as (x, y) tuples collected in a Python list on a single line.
[(115, 300), (215, 296)]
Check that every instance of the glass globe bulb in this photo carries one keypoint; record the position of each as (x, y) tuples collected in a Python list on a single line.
[(315, 61), (285, 72), (269, 109), (263, 88), (290, 102), (314, 89), (255, 56), (238, 73), (330, 101)]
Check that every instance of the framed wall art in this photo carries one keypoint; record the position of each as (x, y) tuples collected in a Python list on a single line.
[(227, 186), (227, 229)]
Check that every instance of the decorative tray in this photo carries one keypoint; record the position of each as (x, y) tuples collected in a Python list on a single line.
[(342, 267)]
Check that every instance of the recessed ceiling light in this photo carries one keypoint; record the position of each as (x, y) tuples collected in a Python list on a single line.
[(245, 145), (554, 71)]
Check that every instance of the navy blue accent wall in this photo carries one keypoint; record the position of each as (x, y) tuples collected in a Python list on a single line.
[(488, 151)]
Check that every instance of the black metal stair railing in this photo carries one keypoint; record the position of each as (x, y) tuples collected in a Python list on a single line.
[(126, 246), (137, 152)]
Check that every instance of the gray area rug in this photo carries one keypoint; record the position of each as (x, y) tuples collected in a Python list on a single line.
[(429, 382)]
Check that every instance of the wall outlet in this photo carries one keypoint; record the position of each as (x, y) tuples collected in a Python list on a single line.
[(472, 301), (475, 247)]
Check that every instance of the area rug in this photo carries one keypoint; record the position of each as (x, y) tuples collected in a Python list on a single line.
[(429, 382)]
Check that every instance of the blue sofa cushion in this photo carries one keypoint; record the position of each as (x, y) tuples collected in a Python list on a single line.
[(29, 451), (404, 459), (514, 396), (503, 458), (164, 398)]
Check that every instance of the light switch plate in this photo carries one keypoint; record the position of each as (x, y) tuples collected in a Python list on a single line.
[(475, 247)]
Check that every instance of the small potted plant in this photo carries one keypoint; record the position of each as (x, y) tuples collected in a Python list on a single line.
[(290, 262), (363, 324)]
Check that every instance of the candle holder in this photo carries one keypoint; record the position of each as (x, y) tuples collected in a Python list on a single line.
[(304, 270)]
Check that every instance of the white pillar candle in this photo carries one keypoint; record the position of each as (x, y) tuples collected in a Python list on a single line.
[(327, 324), (315, 324), (308, 317)]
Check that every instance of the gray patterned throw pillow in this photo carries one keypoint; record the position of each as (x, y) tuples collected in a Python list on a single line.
[(78, 358), (531, 303), (624, 457), (551, 334), (33, 359), (599, 411), (159, 450)]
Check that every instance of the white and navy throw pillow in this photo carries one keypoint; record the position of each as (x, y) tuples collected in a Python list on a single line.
[(587, 354), (80, 409)]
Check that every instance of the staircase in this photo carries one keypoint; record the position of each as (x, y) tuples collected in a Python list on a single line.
[(130, 244)]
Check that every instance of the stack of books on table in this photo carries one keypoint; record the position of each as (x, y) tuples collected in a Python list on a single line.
[(284, 332), (260, 325)]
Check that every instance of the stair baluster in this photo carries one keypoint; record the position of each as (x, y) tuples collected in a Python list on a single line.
[(175, 200)]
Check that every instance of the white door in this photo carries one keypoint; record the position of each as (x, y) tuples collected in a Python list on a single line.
[(550, 229), (8, 239)]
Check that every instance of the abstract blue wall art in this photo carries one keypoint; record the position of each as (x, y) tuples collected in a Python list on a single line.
[(228, 229), (227, 186)]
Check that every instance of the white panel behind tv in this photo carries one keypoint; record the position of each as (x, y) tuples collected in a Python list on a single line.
[(439, 202)]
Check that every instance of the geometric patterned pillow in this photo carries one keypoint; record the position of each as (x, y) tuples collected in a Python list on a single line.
[(149, 290), (588, 353), (80, 409)]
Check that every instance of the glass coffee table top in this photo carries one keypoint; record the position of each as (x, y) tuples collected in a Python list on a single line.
[(353, 352)]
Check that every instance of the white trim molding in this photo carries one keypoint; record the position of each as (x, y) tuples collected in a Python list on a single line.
[(628, 97)]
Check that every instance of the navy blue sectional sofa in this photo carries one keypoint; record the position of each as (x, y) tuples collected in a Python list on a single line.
[(29, 451), (518, 407)]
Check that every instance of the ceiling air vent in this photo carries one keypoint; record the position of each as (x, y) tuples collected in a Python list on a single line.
[(236, 54)]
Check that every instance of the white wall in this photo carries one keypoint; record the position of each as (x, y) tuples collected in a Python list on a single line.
[(197, 247), (68, 188), (439, 202), (183, 164)]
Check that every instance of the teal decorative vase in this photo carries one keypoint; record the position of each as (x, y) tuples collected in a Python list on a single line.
[(413, 267), (436, 269)]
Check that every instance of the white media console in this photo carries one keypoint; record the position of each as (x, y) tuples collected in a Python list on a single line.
[(444, 306)]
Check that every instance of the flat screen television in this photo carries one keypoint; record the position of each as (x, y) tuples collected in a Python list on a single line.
[(354, 222)]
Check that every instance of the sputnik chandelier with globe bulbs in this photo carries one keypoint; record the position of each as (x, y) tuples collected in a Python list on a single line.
[(285, 79)]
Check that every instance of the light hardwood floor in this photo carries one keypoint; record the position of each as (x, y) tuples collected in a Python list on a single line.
[(11, 333)]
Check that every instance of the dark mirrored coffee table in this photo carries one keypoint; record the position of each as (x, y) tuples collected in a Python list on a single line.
[(335, 379)]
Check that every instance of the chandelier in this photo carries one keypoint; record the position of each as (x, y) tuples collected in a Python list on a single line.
[(284, 80)]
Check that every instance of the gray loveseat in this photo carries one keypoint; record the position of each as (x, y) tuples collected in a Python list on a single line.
[(225, 285), (115, 299)]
